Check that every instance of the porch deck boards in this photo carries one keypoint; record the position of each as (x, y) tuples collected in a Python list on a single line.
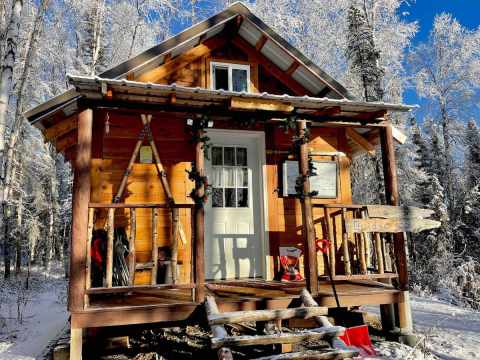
[(253, 294), (151, 306)]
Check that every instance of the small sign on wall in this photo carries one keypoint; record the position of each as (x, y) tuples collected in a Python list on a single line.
[(324, 182), (146, 154)]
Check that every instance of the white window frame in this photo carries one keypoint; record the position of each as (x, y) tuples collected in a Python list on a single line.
[(230, 67)]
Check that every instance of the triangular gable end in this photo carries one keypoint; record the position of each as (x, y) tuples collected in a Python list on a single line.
[(239, 27)]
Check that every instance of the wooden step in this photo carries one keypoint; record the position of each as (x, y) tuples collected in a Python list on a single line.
[(313, 355), (236, 317), (290, 338)]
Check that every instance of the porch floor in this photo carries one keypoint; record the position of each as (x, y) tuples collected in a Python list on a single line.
[(149, 306)]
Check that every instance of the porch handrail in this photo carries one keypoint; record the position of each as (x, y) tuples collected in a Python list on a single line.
[(139, 206)]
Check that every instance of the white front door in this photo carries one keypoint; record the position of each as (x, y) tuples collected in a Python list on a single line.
[(233, 228)]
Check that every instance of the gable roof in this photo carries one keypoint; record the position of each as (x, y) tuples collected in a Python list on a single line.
[(251, 30)]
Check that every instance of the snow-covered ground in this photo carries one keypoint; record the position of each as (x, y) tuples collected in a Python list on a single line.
[(44, 315), (447, 331)]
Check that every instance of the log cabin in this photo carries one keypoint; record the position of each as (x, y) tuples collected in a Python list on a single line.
[(199, 162)]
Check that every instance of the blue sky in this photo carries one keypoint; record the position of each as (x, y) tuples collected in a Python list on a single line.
[(467, 12)]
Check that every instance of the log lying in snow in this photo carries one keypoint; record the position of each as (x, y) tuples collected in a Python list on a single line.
[(236, 317), (312, 355), (290, 338)]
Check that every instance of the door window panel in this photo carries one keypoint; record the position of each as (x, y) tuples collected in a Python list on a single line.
[(230, 177)]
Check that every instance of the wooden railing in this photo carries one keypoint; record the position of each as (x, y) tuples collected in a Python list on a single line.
[(132, 265), (364, 255)]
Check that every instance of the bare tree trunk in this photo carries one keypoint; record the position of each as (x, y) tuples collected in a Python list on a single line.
[(19, 237), (6, 78), (97, 35)]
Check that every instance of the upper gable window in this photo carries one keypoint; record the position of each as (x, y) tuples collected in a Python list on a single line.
[(231, 77)]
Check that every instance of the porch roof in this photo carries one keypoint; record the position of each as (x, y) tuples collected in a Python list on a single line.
[(178, 98)]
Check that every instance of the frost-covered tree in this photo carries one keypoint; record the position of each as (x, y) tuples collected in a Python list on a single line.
[(447, 74)]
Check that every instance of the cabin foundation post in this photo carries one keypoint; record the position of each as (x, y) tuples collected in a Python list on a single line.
[(81, 198), (199, 218), (310, 254), (403, 312), (76, 340)]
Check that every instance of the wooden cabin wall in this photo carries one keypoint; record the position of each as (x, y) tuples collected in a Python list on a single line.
[(112, 152), (284, 214)]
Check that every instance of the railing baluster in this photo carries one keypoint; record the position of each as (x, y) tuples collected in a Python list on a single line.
[(379, 253), (363, 246), (346, 254), (110, 226), (88, 265), (331, 248), (154, 246), (131, 247)]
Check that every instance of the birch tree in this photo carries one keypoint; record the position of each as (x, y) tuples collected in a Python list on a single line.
[(447, 75)]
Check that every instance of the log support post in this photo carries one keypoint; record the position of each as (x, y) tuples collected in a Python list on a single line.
[(81, 198), (392, 197), (76, 340), (310, 253), (199, 218)]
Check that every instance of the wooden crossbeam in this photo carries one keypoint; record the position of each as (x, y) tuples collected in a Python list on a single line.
[(360, 140), (291, 69), (236, 317), (61, 128), (284, 338), (237, 103), (259, 45)]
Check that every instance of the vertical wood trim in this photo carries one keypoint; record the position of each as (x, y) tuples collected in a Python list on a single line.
[(88, 272), (110, 236), (346, 254), (81, 198), (175, 234), (331, 247), (310, 253), (199, 238), (391, 194), (153, 279), (131, 247)]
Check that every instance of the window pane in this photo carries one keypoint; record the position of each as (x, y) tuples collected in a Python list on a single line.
[(220, 76), (229, 156), (239, 79), (241, 156), (229, 197), (217, 177), (229, 173), (217, 197), (242, 196), (242, 177), (217, 156)]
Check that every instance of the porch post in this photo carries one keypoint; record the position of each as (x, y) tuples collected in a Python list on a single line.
[(199, 219), (392, 198), (81, 198), (310, 254)]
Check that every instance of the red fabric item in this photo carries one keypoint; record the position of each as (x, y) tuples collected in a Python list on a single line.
[(358, 337), (96, 252), (322, 245)]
